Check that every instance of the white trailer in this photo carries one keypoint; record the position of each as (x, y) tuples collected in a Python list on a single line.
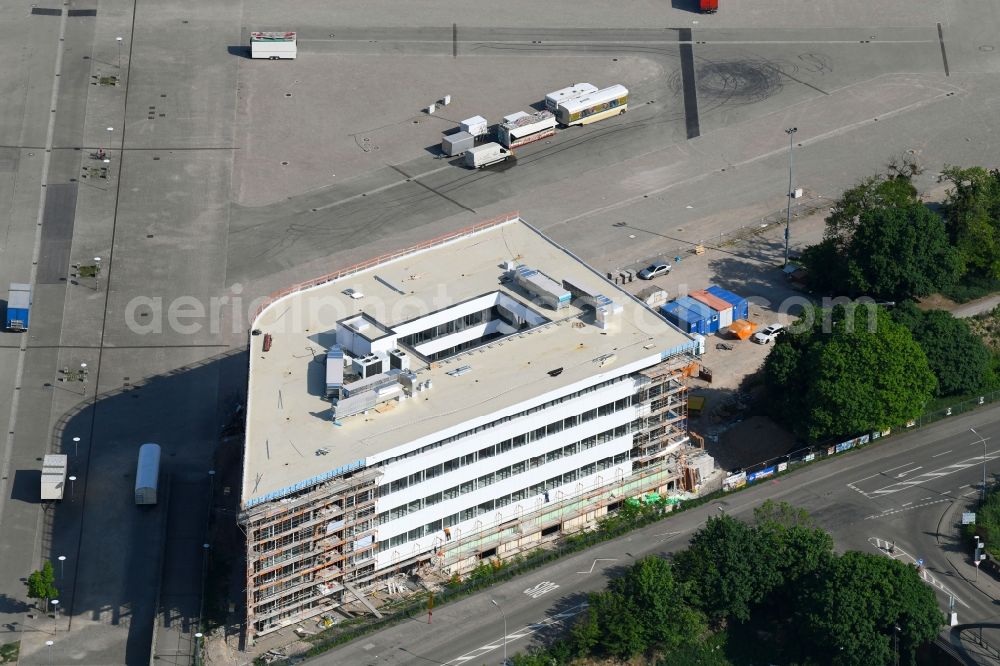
[(553, 99), (147, 474), (486, 154), (273, 45), (526, 127), (53, 476), (602, 104)]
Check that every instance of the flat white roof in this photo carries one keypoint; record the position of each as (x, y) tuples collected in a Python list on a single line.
[(291, 439)]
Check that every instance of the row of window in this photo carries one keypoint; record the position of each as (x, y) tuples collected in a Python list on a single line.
[(504, 500), (435, 471), (448, 328), (504, 472), (505, 419)]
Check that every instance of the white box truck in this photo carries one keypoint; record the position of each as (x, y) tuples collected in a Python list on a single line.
[(273, 45), (486, 154), (147, 474), (53, 476)]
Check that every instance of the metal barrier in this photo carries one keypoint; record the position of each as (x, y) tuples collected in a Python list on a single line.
[(371, 263)]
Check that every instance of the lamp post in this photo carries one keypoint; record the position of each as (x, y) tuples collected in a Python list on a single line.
[(982, 492), (49, 644), (62, 567), (788, 216), (72, 487), (119, 40), (76, 446), (494, 602), (197, 647), (55, 615)]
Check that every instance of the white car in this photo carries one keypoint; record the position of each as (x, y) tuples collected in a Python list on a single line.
[(766, 336), (654, 271)]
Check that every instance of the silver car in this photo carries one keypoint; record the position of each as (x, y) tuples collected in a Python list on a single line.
[(654, 271)]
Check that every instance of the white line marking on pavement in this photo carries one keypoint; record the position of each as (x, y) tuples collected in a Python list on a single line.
[(926, 476), (941, 454), (893, 469), (902, 474), (480, 652), (889, 512), (542, 588), (599, 559), (898, 553), (907, 504)]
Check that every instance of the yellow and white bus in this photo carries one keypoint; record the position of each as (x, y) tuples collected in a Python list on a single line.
[(593, 107)]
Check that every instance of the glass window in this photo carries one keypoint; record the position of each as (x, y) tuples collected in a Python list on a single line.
[(467, 487), (536, 489), (468, 513), (589, 415), (450, 521), (431, 500), (413, 535), (571, 421), (519, 467), (452, 465), (537, 434), (451, 493), (432, 527), (416, 478), (536, 461), (503, 500), (503, 473), (519, 495), (570, 449), (572, 475), (485, 480), (485, 507), (588, 443), (604, 410), (468, 459), (487, 452), (505, 446), (434, 471), (553, 456), (553, 428), (415, 505), (520, 440)]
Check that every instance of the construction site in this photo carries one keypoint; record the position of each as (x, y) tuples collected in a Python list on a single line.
[(525, 407)]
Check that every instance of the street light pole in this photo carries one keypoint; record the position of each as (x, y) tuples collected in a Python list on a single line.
[(982, 492), (119, 40), (788, 216), (493, 601)]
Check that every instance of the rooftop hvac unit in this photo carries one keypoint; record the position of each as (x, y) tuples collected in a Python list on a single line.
[(399, 359), (334, 371), (368, 366)]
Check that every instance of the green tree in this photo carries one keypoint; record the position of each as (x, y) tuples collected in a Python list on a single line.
[(790, 543), (956, 356), (853, 607), (900, 252), (666, 621), (972, 211), (622, 634), (873, 193), (42, 583), (725, 572), (839, 373)]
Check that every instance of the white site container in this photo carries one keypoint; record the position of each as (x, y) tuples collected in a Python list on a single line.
[(476, 125), (273, 45)]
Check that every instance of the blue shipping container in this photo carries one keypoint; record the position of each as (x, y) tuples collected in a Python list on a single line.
[(741, 309), (710, 316), (684, 319)]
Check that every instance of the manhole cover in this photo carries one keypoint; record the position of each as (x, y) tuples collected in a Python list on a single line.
[(985, 47)]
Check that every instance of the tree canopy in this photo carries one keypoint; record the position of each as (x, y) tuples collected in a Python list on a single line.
[(772, 591), (846, 370), (956, 356), (972, 211), (42, 583)]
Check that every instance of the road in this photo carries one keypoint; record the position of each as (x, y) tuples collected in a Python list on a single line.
[(910, 489)]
